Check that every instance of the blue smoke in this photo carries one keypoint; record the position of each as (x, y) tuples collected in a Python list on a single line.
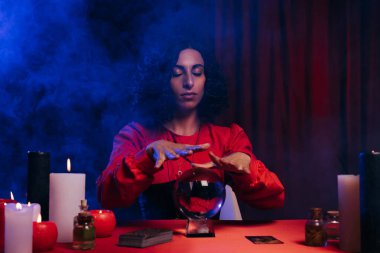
[(60, 91), (67, 78)]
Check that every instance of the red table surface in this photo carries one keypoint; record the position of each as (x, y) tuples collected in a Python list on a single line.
[(230, 237)]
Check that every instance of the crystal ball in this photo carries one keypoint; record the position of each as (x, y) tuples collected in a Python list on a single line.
[(199, 193)]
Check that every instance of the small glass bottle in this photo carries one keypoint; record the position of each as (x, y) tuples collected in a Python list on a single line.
[(315, 234), (84, 230), (332, 225)]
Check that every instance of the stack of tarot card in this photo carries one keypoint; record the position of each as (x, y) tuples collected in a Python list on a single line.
[(145, 237)]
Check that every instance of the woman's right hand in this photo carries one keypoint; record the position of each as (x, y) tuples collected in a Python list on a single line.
[(163, 150)]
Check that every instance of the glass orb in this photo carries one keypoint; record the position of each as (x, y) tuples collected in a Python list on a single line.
[(199, 193)]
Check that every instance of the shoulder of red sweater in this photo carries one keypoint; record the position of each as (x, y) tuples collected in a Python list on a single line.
[(133, 127)]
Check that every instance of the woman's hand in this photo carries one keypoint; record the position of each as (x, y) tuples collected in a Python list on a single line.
[(163, 150), (237, 162)]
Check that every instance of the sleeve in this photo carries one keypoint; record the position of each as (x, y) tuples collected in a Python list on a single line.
[(260, 189), (128, 173)]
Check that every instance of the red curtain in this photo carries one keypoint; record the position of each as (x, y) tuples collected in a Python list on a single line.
[(304, 83)]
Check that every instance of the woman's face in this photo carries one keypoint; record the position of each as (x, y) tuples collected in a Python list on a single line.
[(188, 79)]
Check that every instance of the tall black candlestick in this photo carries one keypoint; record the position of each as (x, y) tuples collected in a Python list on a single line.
[(38, 180), (369, 164)]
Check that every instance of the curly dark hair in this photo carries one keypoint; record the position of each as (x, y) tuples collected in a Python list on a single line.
[(155, 103)]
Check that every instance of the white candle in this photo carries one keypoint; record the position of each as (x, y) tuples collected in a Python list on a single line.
[(349, 212), (36, 210), (66, 192), (18, 237)]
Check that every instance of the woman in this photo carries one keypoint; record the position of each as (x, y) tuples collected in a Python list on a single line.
[(175, 134)]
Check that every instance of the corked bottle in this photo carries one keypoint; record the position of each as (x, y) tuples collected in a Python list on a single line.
[(84, 230), (315, 234)]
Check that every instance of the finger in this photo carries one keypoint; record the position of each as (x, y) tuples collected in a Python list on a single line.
[(159, 163), (208, 165), (240, 169), (182, 152), (198, 147), (204, 146), (171, 155), (160, 158), (216, 159)]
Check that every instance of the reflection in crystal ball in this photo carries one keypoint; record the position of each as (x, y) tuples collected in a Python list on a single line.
[(199, 193)]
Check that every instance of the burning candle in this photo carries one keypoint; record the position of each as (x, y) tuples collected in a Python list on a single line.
[(18, 228), (3, 202), (36, 210), (104, 222), (44, 235), (66, 192)]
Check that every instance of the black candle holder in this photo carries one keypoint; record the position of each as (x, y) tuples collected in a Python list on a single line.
[(369, 164), (38, 180)]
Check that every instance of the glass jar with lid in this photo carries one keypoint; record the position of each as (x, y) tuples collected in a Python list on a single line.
[(332, 225), (315, 234)]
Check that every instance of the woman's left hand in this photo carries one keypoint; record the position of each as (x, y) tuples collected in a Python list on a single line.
[(237, 162)]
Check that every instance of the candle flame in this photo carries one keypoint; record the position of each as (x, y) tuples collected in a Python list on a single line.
[(12, 198), (39, 218), (29, 203), (100, 211), (68, 165), (18, 206)]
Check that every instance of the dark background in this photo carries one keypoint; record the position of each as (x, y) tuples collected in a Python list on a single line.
[(303, 80)]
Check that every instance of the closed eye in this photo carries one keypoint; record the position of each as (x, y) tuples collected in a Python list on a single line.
[(197, 70), (177, 71)]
